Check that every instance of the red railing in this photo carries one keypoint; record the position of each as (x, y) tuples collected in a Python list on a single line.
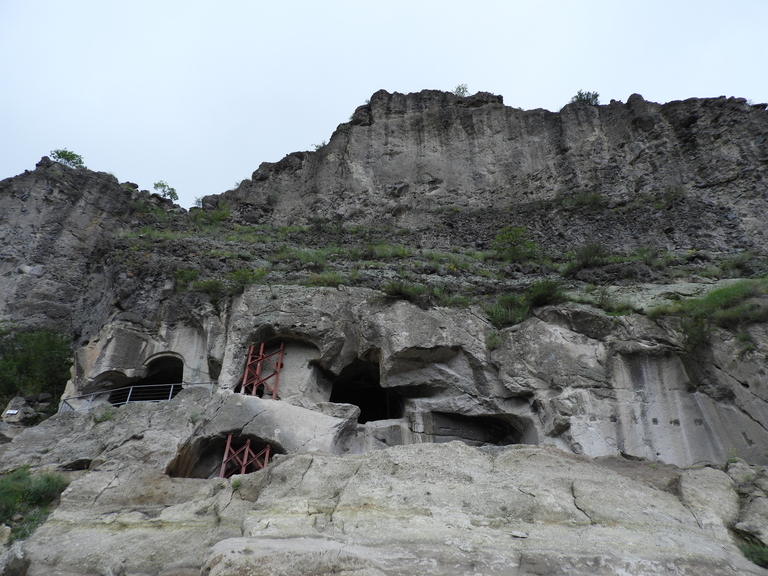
[(242, 460)]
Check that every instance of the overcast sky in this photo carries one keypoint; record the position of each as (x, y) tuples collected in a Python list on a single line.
[(199, 93)]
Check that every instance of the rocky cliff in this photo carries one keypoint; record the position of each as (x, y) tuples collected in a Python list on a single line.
[(615, 426)]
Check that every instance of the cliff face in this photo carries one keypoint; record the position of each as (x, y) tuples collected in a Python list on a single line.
[(364, 261), (404, 160)]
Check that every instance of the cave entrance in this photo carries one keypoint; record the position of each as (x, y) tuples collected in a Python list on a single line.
[(359, 384), (203, 457), (162, 382), (474, 430)]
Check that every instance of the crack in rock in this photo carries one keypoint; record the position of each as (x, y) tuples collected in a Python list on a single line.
[(576, 504)]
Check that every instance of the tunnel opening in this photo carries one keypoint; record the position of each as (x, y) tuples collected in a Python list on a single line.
[(359, 384), (203, 457), (162, 382), (474, 430)]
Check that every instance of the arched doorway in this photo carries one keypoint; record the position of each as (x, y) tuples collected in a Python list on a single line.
[(162, 382)]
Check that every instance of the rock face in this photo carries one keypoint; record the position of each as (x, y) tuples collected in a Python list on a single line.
[(407, 437), (421, 509), (571, 376), (405, 159)]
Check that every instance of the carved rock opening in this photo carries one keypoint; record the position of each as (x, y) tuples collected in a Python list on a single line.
[(162, 382), (359, 384), (202, 457), (473, 430)]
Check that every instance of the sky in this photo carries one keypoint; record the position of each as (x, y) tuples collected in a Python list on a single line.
[(199, 93)]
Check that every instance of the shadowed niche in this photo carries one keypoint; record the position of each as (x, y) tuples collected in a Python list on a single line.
[(358, 384)]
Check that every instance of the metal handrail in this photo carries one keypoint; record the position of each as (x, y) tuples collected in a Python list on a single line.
[(143, 393)]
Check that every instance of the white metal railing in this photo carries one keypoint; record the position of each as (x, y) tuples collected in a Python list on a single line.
[(130, 394)]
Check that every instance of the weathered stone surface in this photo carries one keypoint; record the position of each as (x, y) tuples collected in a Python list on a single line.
[(425, 509), (14, 562)]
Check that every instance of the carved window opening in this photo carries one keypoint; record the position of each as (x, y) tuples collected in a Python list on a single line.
[(163, 381), (359, 384)]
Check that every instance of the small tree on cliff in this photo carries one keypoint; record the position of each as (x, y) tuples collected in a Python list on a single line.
[(591, 98), (166, 191), (68, 158), (461, 90)]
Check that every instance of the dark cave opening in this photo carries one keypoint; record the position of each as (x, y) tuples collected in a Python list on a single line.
[(162, 382), (359, 384), (474, 430), (202, 457)]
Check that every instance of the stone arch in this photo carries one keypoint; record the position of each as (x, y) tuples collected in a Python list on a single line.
[(163, 376)]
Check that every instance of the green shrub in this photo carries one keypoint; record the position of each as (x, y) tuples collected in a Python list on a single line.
[(68, 158), (383, 250), (508, 309), (586, 256), (27, 497), (513, 308), (107, 413), (32, 362), (591, 98), (461, 90), (545, 292), (316, 258), (493, 340), (756, 552), (185, 276), (213, 288), (590, 255), (403, 290), (212, 218), (587, 199), (325, 279), (241, 278), (514, 244)]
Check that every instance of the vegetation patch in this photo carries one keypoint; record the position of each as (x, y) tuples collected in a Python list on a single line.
[(239, 279), (25, 500), (513, 244), (756, 552), (33, 362), (513, 308), (331, 279), (734, 306), (586, 256), (184, 277)]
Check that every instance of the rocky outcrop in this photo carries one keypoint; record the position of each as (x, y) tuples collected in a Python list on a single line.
[(55, 224), (407, 437), (421, 509)]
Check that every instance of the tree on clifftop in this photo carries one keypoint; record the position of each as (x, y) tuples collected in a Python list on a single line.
[(591, 98), (68, 158)]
